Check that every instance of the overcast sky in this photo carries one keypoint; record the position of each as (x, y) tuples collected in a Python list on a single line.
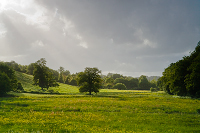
[(129, 37)]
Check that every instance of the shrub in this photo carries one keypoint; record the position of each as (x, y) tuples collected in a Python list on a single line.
[(109, 86), (153, 89), (120, 86), (19, 88)]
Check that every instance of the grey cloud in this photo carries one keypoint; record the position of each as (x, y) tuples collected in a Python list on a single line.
[(129, 37)]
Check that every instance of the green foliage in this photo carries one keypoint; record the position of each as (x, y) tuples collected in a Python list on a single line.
[(120, 80), (42, 75), (8, 80), (182, 78), (30, 68), (114, 76), (55, 74), (133, 83), (130, 83), (71, 79), (153, 89), (67, 79), (13, 65), (5, 84), (109, 86), (153, 83), (23, 68), (109, 80), (120, 86), (73, 82), (89, 80), (64, 76), (61, 78), (66, 73), (20, 87), (198, 111), (192, 79), (17, 67), (143, 83), (160, 84)]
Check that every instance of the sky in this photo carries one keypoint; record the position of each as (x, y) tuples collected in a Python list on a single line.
[(128, 37)]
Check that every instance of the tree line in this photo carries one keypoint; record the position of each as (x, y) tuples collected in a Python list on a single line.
[(109, 81), (183, 77), (61, 75), (46, 77), (118, 81)]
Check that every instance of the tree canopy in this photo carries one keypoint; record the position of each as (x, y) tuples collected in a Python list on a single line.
[(144, 83), (8, 80), (119, 86), (42, 75), (183, 77), (89, 80)]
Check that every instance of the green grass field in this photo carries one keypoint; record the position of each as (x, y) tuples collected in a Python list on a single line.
[(108, 111)]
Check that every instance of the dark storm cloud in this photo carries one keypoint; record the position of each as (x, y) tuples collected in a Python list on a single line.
[(130, 37)]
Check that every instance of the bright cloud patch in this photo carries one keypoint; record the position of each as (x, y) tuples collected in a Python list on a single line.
[(37, 44), (149, 43), (84, 45)]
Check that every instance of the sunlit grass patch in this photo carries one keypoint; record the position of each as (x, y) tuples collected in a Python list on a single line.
[(122, 113)]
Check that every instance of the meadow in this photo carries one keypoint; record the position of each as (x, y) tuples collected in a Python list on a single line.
[(108, 111)]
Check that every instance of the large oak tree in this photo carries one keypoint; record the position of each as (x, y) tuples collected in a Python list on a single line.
[(89, 80), (42, 75)]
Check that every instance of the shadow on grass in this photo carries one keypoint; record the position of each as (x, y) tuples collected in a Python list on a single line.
[(17, 104), (120, 95)]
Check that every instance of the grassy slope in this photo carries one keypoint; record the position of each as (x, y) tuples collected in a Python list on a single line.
[(27, 83)]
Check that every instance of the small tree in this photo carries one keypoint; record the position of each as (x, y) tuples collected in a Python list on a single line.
[(89, 80), (30, 68), (109, 82), (120, 86), (143, 83), (61, 78), (153, 89), (19, 88), (153, 83), (67, 80)]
